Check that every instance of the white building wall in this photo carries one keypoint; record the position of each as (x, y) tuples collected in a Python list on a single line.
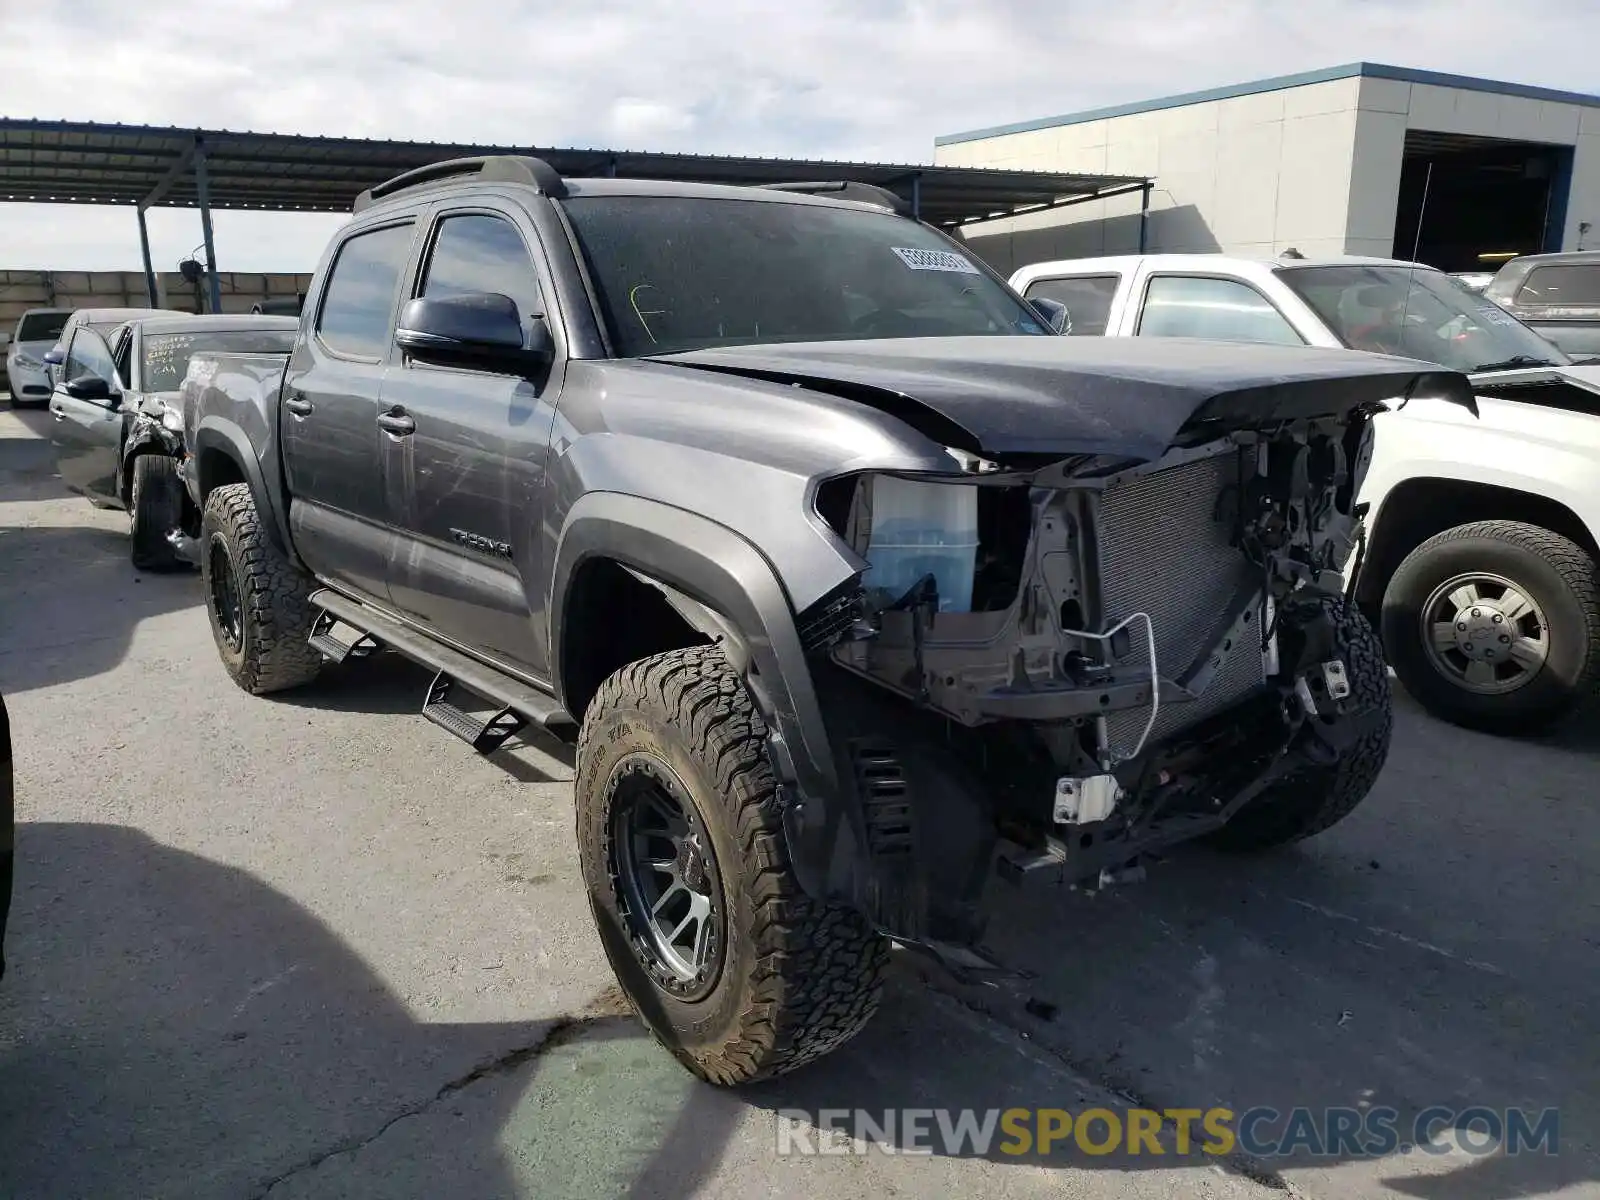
[(1247, 175), (1315, 167)]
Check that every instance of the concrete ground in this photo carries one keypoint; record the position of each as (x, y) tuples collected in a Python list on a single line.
[(313, 947)]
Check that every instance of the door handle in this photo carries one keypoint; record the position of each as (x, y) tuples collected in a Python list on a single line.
[(397, 423), (298, 405), (58, 414)]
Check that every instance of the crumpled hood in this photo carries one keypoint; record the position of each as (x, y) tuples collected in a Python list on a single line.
[(1128, 397)]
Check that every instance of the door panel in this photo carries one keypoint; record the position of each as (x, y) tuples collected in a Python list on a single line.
[(465, 510), (466, 482), (87, 433), (331, 455)]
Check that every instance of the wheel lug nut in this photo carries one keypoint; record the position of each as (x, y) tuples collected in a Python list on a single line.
[(1498, 618), (1461, 625), (1477, 612), (1504, 638)]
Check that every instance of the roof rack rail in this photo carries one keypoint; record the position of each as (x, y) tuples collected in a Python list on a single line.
[(849, 189), (491, 168)]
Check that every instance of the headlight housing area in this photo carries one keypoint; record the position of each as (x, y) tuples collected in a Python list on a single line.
[(920, 529), (962, 538), (28, 363)]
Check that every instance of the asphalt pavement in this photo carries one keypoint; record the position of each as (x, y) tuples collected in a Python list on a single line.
[(313, 947)]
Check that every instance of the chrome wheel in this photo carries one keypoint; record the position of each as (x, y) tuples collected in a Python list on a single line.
[(666, 877), (1485, 633)]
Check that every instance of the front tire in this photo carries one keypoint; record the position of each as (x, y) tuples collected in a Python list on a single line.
[(1315, 798), (679, 828), (155, 509), (257, 600), (1495, 626)]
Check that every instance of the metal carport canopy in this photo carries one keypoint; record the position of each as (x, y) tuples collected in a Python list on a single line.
[(59, 162)]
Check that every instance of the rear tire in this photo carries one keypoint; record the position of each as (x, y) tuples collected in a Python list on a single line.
[(155, 509), (1557, 585), (777, 979), (1316, 798), (257, 600)]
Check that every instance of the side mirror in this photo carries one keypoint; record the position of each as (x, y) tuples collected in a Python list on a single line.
[(89, 387), (55, 356), (473, 329), (1054, 312)]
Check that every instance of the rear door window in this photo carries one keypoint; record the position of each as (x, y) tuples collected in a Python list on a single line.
[(357, 314), (1087, 299), (1217, 309), (1572, 286)]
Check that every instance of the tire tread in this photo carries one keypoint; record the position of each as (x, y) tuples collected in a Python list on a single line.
[(274, 592), (816, 970)]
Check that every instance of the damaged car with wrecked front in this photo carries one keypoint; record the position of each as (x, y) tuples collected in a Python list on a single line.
[(856, 586), (117, 426)]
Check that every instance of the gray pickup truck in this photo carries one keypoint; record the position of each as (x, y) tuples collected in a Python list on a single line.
[(1557, 295), (857, 584)]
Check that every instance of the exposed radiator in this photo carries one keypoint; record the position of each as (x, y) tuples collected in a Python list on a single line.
[(1163, 552)]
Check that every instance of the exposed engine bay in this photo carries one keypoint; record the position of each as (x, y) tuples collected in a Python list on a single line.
[(1124, 654)]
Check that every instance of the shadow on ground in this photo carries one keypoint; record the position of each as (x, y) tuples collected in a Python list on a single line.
[(1439, 947), (390, 683), (28, 464), (170, 1026), (72, 600)]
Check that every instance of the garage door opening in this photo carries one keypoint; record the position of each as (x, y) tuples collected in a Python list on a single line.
[(1469, 203)]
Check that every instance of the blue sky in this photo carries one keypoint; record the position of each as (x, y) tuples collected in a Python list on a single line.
[(873, 79)]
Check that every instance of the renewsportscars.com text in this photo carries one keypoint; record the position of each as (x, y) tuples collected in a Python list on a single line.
[(1261, 1132)]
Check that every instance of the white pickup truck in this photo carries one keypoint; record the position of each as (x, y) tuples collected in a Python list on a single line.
[(1482, 560)]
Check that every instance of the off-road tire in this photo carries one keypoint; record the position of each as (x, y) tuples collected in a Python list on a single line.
[(155, 508), (1554, 571), (798, 978), (273, 595), (1316, 798)]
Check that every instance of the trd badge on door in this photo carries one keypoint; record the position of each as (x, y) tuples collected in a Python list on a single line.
[(483, 545)]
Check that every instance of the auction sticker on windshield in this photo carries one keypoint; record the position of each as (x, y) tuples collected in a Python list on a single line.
[(935, 260)]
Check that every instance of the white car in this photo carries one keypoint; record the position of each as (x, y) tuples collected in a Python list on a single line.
[(27, 378), (1482, 558)]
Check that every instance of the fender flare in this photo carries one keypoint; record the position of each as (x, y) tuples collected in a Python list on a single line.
[(229, 440), (723, 585)]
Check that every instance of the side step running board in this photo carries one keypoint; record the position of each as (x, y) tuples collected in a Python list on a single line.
[(520, 704), (331, 646)]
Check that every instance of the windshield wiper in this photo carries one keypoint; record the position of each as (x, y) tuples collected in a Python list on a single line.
[(1519, 360)]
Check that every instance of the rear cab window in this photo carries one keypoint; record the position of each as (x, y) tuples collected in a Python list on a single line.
[(1214, 308), (356, 319), (165, 356), (1571, 285), (1087, 299)]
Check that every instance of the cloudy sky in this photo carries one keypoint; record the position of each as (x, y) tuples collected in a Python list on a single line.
[(862, 79)]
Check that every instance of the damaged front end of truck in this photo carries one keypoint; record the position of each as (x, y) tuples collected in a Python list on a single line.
[(1055, 667), (157, 430)]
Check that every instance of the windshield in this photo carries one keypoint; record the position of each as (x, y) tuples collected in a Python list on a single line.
[(167, 355), (686, 273), (41, 327), (1418, 313)]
